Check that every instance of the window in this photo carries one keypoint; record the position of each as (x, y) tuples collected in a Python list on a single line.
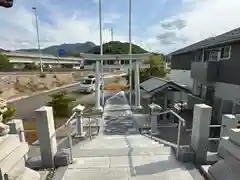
[(213, 55), (225, 52), (198, 57), (87, 81), (206, 55)]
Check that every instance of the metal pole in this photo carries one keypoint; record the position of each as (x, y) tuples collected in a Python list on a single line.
[(38, 39), (101, 49), (111, 34), (151, 123), (130, 52), (179, 138), (70, 142)]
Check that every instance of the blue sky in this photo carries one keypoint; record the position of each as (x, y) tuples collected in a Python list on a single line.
[(157, 25)]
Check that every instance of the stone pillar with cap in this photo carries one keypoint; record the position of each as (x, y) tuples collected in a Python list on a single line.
[(200, 132), (79, 121), (46, 135), (97, 86)]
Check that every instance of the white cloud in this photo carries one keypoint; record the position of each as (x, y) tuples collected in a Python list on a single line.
[(197, 20), (203, 18), (18, 27)]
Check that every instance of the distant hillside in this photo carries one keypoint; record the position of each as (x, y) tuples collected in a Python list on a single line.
[(2, 50), (116, 47), (70, 49)]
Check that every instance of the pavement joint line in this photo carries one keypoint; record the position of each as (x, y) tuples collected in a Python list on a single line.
[(57, 88)]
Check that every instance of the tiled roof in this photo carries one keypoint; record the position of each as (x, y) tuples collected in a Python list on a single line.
[(228, 37), (152, 84), (157, 84)]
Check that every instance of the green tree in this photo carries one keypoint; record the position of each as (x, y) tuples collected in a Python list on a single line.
[(4, 62), (61, 104), (75, 55), (156, 69), (30, 66), (116, 47)]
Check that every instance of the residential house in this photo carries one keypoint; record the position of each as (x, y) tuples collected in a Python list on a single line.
[(211, 68)]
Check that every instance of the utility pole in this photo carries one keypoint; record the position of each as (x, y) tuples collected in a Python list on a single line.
[(38, 39), (130, 52), (111, 34), (101, 50)]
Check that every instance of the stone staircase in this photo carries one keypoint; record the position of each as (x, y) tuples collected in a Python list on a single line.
[(228, 167), (12, 162)]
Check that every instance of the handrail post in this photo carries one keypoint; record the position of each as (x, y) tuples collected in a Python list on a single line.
[(70, 142), (179, 138), (90, 128)]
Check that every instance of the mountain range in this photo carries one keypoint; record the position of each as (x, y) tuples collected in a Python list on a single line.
[(70, 49), (113, 47)]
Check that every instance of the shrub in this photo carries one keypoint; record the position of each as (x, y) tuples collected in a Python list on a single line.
[(4, 62), (42, 75), (31, 66), (61, 104), (9, 114), (1, 91)]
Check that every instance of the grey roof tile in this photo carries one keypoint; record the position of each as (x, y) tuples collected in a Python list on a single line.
[(152, 84)]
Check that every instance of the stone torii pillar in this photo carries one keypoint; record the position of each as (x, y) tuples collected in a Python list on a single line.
[(137, 86), (97, 86), (112, 57)]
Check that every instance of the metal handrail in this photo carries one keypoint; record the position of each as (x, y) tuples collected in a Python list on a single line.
[(181, 122), (67, 125)]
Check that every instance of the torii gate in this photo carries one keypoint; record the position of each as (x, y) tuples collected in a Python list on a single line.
[(136, 58)]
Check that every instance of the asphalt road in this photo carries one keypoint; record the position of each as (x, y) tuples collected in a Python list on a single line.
[(26, 107)]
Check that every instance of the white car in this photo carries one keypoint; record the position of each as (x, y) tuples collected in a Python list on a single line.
[(87, 85)]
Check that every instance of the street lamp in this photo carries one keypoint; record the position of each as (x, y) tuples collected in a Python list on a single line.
[(130, 52), (38, 41)]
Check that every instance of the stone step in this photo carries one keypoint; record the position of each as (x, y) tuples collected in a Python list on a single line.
[(234, 136), (227, 145), (12, 159), (2, 138), (221, 149), (8, 144), (18, 169), (78, 152), (28, 174), (222, 171)]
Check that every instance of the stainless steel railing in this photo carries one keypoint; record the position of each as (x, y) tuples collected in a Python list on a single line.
[(181, 123)]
